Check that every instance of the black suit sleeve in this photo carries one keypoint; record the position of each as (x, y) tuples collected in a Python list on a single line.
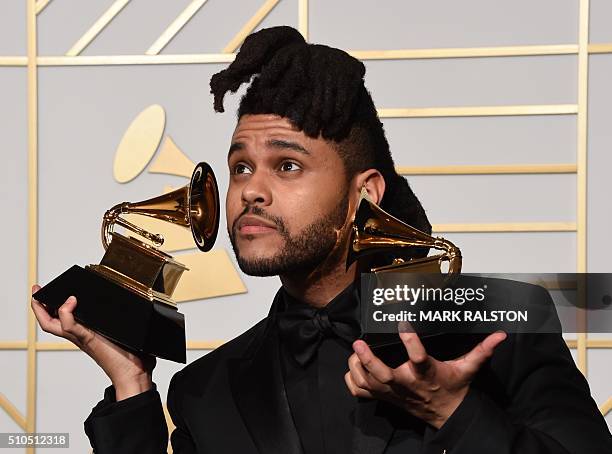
[(181, 440), (549, 409), (136, 424)]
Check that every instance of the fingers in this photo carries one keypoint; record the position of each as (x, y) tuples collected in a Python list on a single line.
[(354, 389), (363, 379), (47, 323), (420, 361), (65, 315), (368, 375), (65, 326), (471, 362), (357, 372), (73, 330), (377, 369), (405, 327)]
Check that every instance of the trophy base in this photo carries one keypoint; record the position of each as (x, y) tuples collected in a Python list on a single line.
[(134, 322)]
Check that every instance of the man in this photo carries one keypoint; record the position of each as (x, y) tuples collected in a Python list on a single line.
[(307, 141)]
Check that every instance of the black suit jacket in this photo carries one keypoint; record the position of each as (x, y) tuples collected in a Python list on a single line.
[(528, 398)]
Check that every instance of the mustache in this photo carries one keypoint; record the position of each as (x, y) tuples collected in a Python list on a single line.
[(257, 211)]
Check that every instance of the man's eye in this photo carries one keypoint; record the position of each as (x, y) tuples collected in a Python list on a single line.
[(240, 169), (289, 166)]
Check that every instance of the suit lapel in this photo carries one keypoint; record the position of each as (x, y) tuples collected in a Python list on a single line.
[(258, 388)]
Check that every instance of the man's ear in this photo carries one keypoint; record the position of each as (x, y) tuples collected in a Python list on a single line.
[(374, 183)]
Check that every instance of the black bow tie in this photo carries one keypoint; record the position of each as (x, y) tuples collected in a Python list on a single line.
[(303, 327)]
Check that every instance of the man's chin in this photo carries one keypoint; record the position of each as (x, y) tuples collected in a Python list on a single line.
[(258, 267)]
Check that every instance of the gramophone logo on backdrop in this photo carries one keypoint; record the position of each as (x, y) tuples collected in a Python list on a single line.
[(210, 274)]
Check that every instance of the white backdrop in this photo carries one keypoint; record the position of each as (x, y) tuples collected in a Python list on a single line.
[(86, 102)]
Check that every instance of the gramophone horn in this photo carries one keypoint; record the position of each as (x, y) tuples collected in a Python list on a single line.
[(204, 206), (195, 206), (375, 230)]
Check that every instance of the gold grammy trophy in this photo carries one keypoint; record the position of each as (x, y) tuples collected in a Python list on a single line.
[(128, 296), (373, 231)]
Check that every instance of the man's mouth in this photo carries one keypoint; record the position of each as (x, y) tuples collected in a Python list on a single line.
[(249, 225)]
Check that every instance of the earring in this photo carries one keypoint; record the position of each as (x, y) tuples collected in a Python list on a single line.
[(364, 191)]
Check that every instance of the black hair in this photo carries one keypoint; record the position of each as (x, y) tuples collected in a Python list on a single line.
[(321, 91)]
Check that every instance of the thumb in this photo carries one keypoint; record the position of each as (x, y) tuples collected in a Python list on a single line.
[(470, 363), (75, 332)]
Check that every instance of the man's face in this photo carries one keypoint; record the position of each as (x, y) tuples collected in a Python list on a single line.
[(287, 199)]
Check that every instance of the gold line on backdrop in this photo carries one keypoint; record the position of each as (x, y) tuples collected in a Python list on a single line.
[(581, 219), (40, 5), (600, 48), (303, 18), (253, 22), (505, 227), (96, 60), (33, 213), (175, 27), (397, 54), (465, 52), (13, 61), (97, 27), (212, 344), (583, 48), (13, 412), (606, 407), (14, 345), (501, 169), (478, 111)]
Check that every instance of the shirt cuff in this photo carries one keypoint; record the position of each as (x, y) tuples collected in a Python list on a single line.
[(135, 424), (110, 405)]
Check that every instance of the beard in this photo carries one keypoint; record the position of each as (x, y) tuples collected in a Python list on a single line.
[(300, 253)]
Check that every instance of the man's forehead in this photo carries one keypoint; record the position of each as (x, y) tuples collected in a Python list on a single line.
[(277, 133), (254, 123)]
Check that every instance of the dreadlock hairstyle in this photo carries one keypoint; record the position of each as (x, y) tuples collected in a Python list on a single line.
[(320, 90)]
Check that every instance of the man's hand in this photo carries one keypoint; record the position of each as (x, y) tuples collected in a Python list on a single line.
[(130, 374), (423, 386)]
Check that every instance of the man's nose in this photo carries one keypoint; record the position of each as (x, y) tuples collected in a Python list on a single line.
[(257, 190)]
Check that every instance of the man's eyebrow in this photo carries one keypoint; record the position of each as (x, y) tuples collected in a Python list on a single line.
[(285, 144), (235, 147), (272, 143)]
